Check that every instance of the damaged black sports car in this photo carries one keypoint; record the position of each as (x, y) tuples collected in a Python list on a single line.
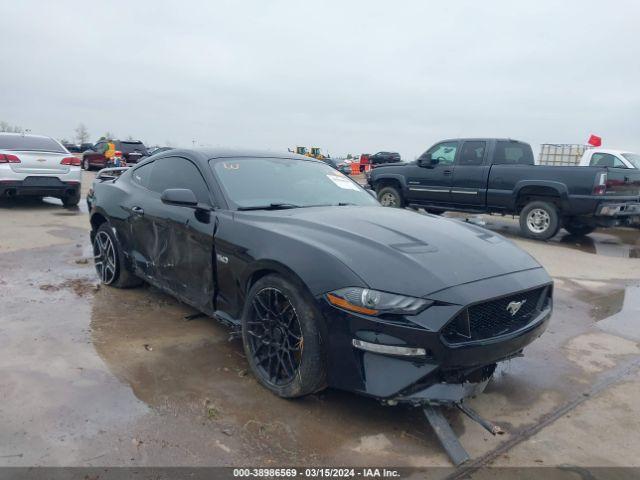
[(327, 287)]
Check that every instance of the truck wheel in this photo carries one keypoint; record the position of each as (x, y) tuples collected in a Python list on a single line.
[(281, 334), (390, 197), (539, 220), (109, 260), (578, 229)]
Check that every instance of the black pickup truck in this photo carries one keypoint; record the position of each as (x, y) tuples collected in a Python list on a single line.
[(489, 175)]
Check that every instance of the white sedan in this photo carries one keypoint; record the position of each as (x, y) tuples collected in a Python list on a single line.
[(38, 166)]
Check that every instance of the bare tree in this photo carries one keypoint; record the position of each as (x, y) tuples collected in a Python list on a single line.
[(82, 134), (7, 127), (108, 135), (129, 138)]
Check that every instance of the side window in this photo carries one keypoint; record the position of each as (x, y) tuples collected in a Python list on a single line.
[(515, 153), (176, 172), (606, 160), (472, 153), (142, 174), (101, 147), (442, 153)]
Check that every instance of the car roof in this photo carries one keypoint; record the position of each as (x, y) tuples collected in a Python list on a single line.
[(23, 135), (608, 150), (205, 154)]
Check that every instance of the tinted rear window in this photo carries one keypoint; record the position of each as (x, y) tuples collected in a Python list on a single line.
[(32, 144), (513, 153), (130, 147)]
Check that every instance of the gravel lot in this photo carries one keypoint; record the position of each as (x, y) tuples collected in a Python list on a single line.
[(101, 377)]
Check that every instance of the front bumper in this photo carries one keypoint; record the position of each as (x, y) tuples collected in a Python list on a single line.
[(42, 186), (446, 372)]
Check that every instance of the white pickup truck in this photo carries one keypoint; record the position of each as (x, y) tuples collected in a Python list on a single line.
[(585, 156)]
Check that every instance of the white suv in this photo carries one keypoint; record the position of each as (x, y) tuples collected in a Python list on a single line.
[(38, 166)]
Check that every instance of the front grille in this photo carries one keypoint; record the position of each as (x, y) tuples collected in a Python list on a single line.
[(495, 317)]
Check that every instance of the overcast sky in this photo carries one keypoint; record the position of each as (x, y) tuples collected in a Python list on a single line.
[(349, 77)]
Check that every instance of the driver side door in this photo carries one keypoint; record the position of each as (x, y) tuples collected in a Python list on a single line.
[(429, 182), (183, 256)]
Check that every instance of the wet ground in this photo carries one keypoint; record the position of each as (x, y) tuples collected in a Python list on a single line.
[(104, 377)]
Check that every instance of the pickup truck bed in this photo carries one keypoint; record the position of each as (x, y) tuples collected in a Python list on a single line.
[(498, 176)]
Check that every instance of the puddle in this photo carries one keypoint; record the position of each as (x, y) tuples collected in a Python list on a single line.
[(604, 305), (191, 369), (615, 242), (626, 321)]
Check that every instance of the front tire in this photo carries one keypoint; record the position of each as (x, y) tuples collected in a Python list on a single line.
[(281, 334), (390, 197), (71, 200), (109, 260), (539, 220), (85, 164)]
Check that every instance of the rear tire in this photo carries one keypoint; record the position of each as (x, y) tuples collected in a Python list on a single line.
[(109, 260), (578, 229), (391, 197), (539, 220), (71, 200), (282, 337)]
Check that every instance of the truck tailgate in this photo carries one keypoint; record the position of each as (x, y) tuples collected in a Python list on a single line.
[(623, 182)]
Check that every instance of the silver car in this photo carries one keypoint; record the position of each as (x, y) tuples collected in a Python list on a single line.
[(38, 166)]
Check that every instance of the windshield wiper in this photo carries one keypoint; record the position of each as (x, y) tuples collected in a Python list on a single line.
[(271, 206)]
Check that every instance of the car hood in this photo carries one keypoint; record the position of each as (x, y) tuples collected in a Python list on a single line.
[(399, 250)]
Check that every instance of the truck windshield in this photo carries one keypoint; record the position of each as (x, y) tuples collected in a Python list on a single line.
[(513, 153), (255, 183), (633, 159)]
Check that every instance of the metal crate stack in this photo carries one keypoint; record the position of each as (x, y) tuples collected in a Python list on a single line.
[(561, 154)]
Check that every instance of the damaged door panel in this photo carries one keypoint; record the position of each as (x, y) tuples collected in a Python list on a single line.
[(184, 259)]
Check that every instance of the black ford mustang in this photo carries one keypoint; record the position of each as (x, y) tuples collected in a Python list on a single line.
[(328, 287)]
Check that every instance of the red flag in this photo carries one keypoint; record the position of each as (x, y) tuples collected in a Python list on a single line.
[(595, 141)]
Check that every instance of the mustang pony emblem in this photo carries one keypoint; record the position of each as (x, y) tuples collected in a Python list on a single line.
[(514, 307)]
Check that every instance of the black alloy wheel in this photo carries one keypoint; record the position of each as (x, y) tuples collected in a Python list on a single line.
[(282, 334), (105, 259), (109, 259), (275, 337)]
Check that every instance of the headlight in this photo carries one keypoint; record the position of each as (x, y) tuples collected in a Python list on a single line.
[(374, 302)]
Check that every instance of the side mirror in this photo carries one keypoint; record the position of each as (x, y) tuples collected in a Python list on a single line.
[(181, 197)]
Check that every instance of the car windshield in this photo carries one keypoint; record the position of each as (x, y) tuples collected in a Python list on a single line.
[(26, 143), (287, 183), (633, 158)]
